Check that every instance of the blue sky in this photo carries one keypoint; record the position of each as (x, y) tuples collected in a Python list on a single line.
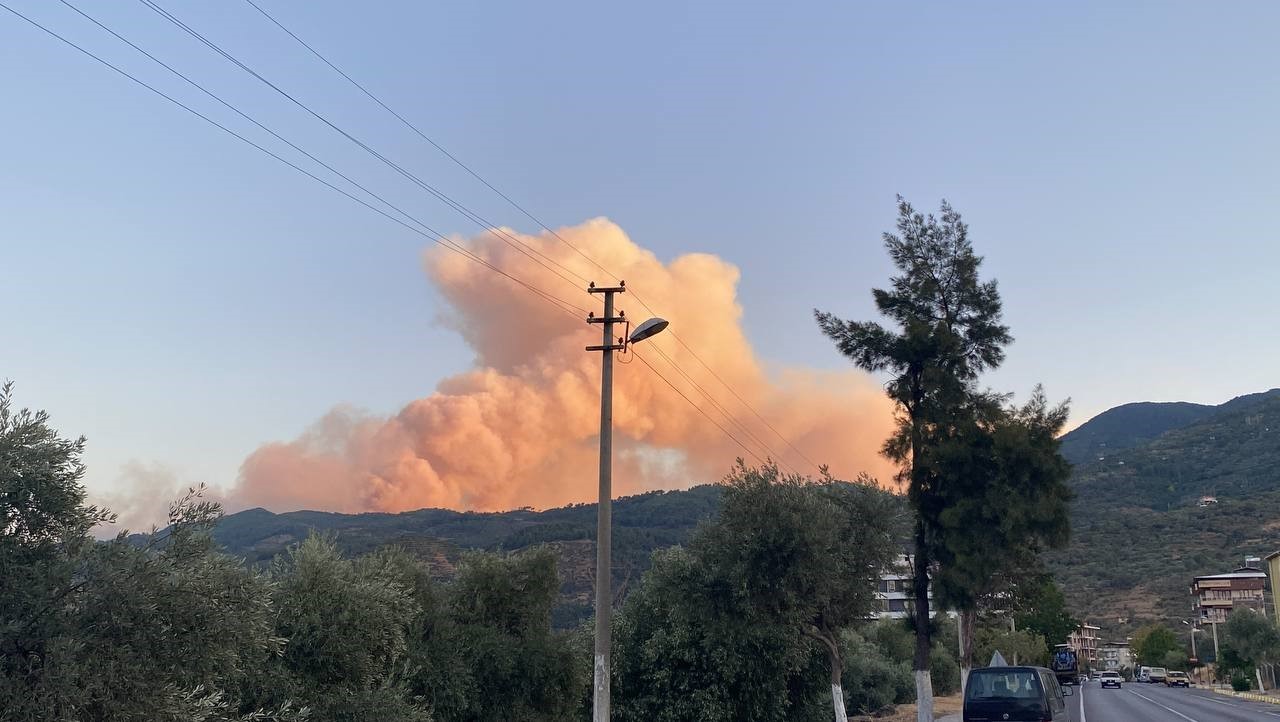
[(181, 299)]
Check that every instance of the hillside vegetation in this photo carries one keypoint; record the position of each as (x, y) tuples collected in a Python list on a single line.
[(1134, 424), (1138, 532), (641, 525)]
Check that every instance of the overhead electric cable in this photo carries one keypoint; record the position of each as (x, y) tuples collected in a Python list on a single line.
[(728, 417), (534, 254), (528, 215), (428, 139), (700, 410), (429, 233)]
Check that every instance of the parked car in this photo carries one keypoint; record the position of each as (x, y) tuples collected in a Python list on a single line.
[(1022, 694), (1177, 679), (1157, 675), (1111, 679), (1143, 675)]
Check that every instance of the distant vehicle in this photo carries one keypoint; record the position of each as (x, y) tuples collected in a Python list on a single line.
[(1157, 675), (1064, 665), (1177, 679), (1082, 679), (1111, 679), (1024, 694), (1142, 675)]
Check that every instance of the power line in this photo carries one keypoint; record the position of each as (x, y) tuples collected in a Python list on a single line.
[(556, 302), (522, 247), (437, 238), (528, 215), (428, 139), (700, 410), (429, 233), (743, 401), (728, 417)]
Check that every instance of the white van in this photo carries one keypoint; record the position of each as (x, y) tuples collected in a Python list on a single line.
[(1142, 675)]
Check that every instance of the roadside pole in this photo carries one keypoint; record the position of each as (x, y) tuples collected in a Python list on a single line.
[(604, 510)]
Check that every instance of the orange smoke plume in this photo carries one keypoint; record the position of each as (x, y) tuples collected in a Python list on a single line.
[(521, 428)]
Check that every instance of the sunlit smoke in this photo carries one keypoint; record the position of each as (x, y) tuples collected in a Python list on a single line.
[(521, 427)]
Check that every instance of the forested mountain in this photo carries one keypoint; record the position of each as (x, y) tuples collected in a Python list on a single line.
[(641, 524), (1133, 424), (1129, 425), (1138, 532)]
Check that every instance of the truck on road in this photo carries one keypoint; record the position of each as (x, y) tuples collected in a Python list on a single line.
[(1065, 664)]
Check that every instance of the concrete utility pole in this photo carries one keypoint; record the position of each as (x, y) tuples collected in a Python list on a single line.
[(604, 506), (604, 510)]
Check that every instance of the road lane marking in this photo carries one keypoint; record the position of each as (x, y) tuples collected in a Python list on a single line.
[(1082, 717), (1218, 701), (1152, 701)]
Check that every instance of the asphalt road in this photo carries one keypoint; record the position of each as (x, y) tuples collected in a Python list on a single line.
[(1157, 703)]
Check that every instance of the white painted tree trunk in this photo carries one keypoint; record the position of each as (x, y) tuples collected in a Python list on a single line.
[(1257, 671), (837, 698), (924, 696)]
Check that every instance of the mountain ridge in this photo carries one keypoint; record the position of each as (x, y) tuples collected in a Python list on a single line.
[(1138, 535)]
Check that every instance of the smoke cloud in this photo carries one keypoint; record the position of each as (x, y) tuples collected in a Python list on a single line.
[(521, 427)]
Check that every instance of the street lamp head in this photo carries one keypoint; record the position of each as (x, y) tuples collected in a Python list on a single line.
[(652, 327)]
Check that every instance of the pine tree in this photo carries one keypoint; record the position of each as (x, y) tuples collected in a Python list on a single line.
[(946, 331)]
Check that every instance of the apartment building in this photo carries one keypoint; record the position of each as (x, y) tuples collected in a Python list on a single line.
[(893, 593), (1216, 595), (1085, 641), (1115, 656), (894, 596)]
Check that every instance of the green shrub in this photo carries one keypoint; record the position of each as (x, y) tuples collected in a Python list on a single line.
[(872, 681), (1240, 683), (944, 671)]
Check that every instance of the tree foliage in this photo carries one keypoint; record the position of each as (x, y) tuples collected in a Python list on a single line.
[(1152, 642), (1005, 500), (175, 629), (1020, 646), (1043, 609), (489, 653), (946, 331), (1248, 640), (741, 623)]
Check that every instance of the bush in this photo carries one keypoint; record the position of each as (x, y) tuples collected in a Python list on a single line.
[(1240, 683), (872, 680), (944, 670)]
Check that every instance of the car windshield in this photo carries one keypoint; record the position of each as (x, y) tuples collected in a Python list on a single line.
[(1159, 670), (1177, 674), (1003, 684), (1110, 674)]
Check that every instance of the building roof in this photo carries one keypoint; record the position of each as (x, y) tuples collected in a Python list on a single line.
[(1241, 573), (1271, 556)]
